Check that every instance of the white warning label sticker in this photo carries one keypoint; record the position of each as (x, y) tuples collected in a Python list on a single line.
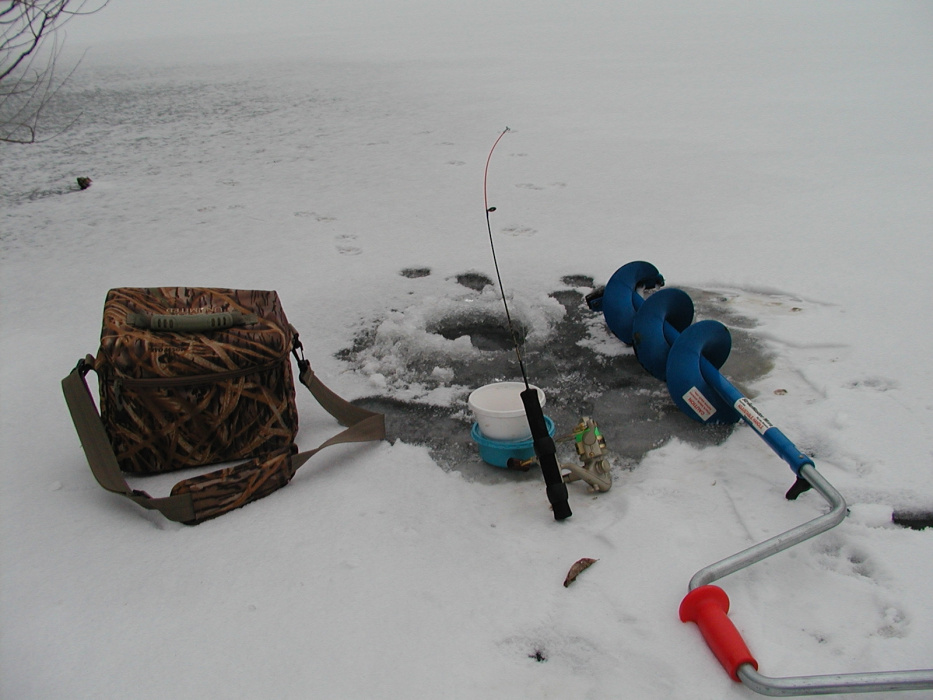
[(699, 403), (752, 415)]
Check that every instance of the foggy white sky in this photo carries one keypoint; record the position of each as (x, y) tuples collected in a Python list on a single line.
[(437, 24), (368, 29), (140, 19)]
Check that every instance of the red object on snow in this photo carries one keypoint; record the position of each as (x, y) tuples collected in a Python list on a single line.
[(708, 606)]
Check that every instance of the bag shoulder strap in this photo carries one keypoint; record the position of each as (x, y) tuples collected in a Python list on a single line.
[(209, 495)]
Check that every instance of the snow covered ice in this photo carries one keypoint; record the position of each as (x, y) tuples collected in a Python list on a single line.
[(775, 160)]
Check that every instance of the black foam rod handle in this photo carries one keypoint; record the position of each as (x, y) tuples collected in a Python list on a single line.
[(546, 451)]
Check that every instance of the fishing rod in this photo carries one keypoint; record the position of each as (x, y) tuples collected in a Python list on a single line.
[(545, 448)]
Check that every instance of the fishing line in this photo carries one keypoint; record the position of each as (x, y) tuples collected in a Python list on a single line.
[(544, 446), (495, 261)]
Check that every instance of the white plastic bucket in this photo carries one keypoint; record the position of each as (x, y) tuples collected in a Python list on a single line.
[(499, 410)]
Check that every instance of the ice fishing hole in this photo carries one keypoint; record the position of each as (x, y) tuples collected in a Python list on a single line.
[(415, 272), (476, 281), (578, 281), (485, 331)]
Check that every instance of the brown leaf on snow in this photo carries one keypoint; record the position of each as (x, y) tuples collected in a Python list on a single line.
[(575, 570)]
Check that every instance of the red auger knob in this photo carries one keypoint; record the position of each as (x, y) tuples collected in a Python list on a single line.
[(708, 606)]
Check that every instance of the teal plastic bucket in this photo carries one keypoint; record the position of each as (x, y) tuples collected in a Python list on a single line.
[(499, 452)]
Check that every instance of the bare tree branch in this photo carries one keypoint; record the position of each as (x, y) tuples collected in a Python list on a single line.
[(28, 84)]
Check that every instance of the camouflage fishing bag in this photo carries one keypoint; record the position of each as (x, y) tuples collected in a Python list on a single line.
[(197, 376)]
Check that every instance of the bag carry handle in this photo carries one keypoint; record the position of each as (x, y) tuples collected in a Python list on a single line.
[(191, 323), (206, 496)]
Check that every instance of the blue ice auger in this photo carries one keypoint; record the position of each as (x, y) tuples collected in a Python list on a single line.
[(688, 356)]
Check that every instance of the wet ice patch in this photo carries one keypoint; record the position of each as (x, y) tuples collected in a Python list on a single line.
[(423, 358)]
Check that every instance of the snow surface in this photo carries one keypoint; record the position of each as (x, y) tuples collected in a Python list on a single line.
[(781, 153)]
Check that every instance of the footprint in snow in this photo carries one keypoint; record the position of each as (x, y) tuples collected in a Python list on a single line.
[(894, 622), (343, 245), (875, 383), (845, 558), (313, 215), (519, 231)]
